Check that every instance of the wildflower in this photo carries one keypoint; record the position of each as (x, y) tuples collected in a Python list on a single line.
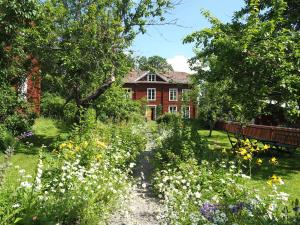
[(15, 206), (26, 184), (247, 157), (275, 180), (144, 185), (243, 151), (259, 161), (197, 194), (131, 165), (207, 210), (266, 147), (273, 161)]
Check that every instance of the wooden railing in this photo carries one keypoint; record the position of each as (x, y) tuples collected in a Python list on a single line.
[(276, 135)]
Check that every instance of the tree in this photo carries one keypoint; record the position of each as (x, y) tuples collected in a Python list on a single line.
[(214, 103), (17, 18), (258, 58), (83, 43), (156, 64), (291, 14)]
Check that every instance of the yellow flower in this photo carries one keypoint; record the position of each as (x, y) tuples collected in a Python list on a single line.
[(273, 161), (266, 147), (275, 180), (98, 157), (101, 144), (248, 157), (259, 162), (69, 145), (63, 145), (243, 151)]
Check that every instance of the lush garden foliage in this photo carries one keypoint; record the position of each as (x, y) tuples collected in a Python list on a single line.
[(199, 185), (80, 181)]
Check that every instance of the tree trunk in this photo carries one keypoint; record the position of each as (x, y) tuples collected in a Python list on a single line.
[(211, 126)]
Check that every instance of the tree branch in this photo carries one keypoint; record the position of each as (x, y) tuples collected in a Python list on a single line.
[(107, 84)]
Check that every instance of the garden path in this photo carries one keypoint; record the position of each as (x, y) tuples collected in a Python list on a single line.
[(141, 208)]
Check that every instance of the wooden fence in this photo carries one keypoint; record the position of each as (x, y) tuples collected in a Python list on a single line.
[(279, 136)]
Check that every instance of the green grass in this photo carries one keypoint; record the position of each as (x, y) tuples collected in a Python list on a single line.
[(288, 167), (45, 130)]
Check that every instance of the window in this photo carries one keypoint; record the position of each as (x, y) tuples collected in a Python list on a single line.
[(185, 110), (173, 94), (185, 94), (151, 94), (151, 77), (172, 109), (129, 93)]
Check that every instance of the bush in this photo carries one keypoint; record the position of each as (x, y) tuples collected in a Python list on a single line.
[(6, 138), (52, 105), (168, 118), (15, 113)]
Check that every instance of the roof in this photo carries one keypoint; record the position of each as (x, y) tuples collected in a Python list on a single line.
[(169, 77)]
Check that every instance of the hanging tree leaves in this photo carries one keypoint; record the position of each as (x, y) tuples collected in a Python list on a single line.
[(258, 57), (83, 43)]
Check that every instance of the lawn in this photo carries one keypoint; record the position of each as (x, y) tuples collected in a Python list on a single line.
[(288, 167), (26, 153)]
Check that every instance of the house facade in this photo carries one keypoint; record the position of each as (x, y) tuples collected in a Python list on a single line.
[(31, 88), (163, 92)]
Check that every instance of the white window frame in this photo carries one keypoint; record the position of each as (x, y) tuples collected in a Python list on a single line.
[(154, 97), (176, 94), (129, 93), (183, 91), (151, 77), (171, 106), (183, 112)]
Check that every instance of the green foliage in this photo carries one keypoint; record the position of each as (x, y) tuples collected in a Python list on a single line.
[(155, 64), (195, 190), (16, 18), (52, 105), (81, 182), (115, 104), (258, 59), (83, 42)]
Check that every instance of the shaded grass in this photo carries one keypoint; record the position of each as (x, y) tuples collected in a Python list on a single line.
[(288, 167), (26, 156)]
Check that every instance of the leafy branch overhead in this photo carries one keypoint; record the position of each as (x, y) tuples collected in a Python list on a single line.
[(259, 58), (84, 42)]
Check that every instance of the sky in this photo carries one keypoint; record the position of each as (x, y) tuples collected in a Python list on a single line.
[(166, 40)]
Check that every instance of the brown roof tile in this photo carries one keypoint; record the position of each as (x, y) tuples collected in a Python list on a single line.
[(171, 77)]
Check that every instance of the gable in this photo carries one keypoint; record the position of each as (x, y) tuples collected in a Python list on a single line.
[(151, 77)]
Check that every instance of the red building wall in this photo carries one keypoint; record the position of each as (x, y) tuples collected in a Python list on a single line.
[(162, 95), (34, 85)]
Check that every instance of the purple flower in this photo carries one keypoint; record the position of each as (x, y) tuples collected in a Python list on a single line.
[(208, 209), (25, 135), (239, 206)]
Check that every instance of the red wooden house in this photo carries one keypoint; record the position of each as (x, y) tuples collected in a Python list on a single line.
[(163, 92), (31, 88)]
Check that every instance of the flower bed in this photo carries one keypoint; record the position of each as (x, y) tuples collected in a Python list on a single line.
[(201, 186)]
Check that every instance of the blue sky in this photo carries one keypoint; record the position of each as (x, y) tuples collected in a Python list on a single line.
[(166, 41)]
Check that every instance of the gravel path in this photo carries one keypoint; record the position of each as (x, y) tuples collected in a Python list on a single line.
[(142, 208)]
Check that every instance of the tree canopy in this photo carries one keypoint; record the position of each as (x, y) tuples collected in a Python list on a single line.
[(154, 63), (83, 43), (259, 58)]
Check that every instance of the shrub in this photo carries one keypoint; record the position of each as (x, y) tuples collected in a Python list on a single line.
[(52, 105)]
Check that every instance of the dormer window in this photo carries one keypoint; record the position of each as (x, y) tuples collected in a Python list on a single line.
[(151, 77)]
